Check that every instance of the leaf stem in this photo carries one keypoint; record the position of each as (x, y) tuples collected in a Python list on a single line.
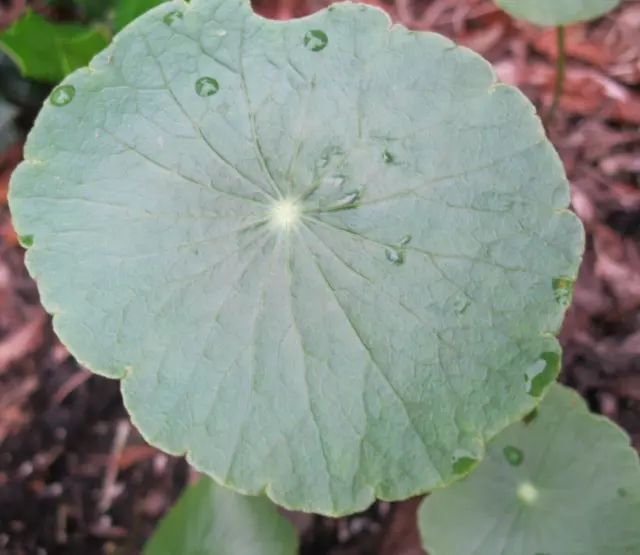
[(560, 71)]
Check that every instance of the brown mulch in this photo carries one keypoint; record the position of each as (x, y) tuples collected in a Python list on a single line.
[(76, 478)]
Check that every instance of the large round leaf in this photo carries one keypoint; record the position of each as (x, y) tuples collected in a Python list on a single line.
[(557, 12), (326, 257), (564, 483)]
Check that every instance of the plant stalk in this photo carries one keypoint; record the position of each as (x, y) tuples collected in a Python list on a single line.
[(560, 71)]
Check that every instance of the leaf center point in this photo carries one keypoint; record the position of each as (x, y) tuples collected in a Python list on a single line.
[(527, 493), (285, 213)]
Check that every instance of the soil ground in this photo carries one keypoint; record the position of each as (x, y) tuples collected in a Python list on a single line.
[(75, 476)]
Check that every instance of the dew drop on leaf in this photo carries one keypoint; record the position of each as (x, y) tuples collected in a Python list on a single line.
[(61, 96), (514, 456), (315, 40), (172, 17), (206, 86), (26, 240), (395, 256), (622, 492), (540, 374), (387, 157), (460, 305), (463, 465), (335, 180), (530, 417), (327, 154), (350, 200), (562, 290), (405, 240)]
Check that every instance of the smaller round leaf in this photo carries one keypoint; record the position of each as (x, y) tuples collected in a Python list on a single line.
[(563, 482), (557, 12)]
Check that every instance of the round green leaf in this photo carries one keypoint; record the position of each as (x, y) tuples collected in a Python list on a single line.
[(326, 257), (211, 520), (557, 12), (563, 482)]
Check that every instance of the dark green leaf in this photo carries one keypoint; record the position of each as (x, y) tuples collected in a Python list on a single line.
[(128, 10), (211, 520), (49, 51)]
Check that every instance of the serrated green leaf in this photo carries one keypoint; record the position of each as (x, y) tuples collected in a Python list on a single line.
[(128, 10), (211, 520), (557, 12), (48, 51), (95, 9), (565, 482), (319, 253)]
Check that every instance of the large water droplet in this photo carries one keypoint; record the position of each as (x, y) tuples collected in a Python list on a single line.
[(395, 256), (562, 290), (61, 96), (25, 240), (315, 40), (172, 17), (206, 86), (540, 374), (350, 200), (514, 456), (464, 465)]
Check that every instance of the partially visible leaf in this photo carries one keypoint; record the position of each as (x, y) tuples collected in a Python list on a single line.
[(49, 51), (557, 12), (211, 520), (128, 10), (94, 9), (564, 482)]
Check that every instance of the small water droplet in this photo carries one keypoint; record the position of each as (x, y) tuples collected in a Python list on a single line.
[(315, 40), (349, 200), (172, 17), (61, 96), (460, 305), (540, 374), (514, 456), (327, 154), (25, 240), (206, 86), (335, 181), (463, 465), (405, 240), (394, 255), (530, 417), (622, 492), (527, 493), (387, 157), (220, 33), (563, 291)]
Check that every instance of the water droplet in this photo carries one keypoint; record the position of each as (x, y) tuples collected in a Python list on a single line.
[(172, 17), (335, 181), (26, 240), (530, 417), (327, 154), (405, 240), (206, 86), (220, 33), (514, 456), (349, 200), (540, 374), (463, 465), (562, 290), (315, 40), (394, 255), (527, 493), (387, 157), (622, 492), (61, 96), (460, 305)]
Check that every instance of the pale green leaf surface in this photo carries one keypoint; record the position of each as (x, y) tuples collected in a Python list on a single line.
[(362, 337), (557, 12), (212, 520), (49, 51), (566, 483)]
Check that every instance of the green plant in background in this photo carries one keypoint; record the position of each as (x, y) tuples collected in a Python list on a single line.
[(557, 13), (48, 51), (326, 257)]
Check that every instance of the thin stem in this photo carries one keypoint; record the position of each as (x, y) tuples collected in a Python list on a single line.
[(560, 66)]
